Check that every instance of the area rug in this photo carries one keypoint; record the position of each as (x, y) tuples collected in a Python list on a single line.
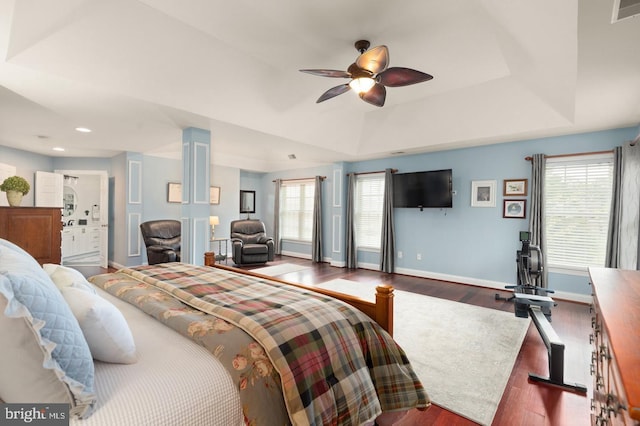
[(280, 269), (463, 354)]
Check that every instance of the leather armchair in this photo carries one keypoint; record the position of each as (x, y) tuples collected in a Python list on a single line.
[(249, 242), (162, 239)]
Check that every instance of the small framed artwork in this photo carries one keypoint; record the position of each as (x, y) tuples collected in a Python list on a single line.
[(214, 195), (247, 201), (514, 209), (483, 193), (174, 192), (515, 187)]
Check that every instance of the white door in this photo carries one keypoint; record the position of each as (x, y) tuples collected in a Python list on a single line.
[(90, 189)]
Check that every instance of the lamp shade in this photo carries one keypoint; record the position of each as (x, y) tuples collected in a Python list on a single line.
[(362, 84), (214, 220)]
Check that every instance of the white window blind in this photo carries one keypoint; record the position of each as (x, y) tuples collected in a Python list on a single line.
[(577, 206), (296, 209), (368, 210)]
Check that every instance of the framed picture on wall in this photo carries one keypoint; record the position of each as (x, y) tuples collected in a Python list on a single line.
[(174, 192), (515, 187), (483, 193), (514, 209), (247, 201), (214, 195)]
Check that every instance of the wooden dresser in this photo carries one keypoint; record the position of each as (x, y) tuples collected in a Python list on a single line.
[(615, 360), (38, 230)]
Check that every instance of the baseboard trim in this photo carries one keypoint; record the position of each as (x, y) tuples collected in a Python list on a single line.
[(116, 265), (497, 285), (296, 254), (559, 295)]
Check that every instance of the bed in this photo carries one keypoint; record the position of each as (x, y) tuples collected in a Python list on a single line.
[(208, 350)]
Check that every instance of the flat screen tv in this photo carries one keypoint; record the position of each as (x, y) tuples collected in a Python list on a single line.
[(430, 189)]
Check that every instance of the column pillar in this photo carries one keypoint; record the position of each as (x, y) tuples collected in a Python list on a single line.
[(338, 215), (196, 162)]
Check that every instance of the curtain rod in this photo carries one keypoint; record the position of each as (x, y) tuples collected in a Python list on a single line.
[(285, 180), (573, 155), (371, 173)]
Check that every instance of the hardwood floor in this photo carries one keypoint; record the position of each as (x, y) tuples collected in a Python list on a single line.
[(523, 402)]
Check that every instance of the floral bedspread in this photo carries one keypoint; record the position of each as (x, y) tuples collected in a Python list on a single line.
[(332, 363), (245, 360)]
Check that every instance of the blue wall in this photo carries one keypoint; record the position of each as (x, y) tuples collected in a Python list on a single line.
[(157, 173), (228, 179), (464, 243), (251, 181), (268, 189), (26, 164)]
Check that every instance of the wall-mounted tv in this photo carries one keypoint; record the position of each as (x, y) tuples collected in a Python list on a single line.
[(430, 189)]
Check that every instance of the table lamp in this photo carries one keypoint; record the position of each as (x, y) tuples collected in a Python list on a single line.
[(213, 221)]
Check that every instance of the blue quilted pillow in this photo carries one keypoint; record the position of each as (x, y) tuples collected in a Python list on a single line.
[(45, 356)]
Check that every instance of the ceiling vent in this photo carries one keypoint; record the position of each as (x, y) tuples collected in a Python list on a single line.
[(623, 9)]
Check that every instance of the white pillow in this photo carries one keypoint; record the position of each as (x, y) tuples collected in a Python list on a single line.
[(44, 356), (63, 276), (103, 325)]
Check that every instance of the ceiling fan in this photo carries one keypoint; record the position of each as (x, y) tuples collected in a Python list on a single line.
[(369, 75)]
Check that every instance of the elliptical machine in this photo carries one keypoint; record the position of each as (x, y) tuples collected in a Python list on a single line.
[(531, 299)]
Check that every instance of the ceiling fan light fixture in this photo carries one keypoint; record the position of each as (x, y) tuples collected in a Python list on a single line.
[(370, 75), (362, 84)]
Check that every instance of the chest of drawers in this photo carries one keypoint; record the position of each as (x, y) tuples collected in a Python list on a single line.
[(37, 230), (615, 336)]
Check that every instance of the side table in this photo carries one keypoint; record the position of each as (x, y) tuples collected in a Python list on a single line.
[(219, 255)]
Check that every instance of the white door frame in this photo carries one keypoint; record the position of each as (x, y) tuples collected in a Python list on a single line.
[(103, 209)]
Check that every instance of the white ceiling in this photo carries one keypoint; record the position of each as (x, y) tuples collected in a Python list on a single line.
[(137, 72)]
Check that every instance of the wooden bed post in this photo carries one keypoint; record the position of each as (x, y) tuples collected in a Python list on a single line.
[(209, 258), (384, 307)]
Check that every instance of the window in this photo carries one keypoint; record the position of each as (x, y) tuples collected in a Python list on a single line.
[(296, 209), (577, 204), (368, 210)]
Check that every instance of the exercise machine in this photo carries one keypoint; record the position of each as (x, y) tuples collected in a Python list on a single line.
[(527, 292), (533, 300)]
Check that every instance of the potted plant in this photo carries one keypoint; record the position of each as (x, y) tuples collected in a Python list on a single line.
[(15, 187)]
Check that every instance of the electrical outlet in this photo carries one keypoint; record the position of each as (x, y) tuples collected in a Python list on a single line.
[(419, 256), (399, 254)]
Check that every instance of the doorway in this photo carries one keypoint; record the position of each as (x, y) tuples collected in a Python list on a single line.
[(85, 236)]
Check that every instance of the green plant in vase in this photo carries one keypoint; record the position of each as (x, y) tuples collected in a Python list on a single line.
[(15, 187)]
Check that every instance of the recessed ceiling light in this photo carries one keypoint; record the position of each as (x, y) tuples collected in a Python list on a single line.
[(397, 153), (83, 129), (58, 148)]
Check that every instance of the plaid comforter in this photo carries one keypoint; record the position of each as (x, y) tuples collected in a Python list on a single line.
[(337, 366)]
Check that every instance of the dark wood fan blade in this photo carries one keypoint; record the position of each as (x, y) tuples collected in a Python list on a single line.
[(375, 60), (328, 73), (398, 76), (333, 92), (375, 96), (354, 70)]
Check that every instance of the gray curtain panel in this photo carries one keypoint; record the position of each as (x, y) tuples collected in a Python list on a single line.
[(536, 216), (276, 218), (350, 237), (316, 238), (612, 259), (388, 245), (628, 245)]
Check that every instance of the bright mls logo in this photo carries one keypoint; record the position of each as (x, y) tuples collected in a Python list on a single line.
[(34, 414)]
